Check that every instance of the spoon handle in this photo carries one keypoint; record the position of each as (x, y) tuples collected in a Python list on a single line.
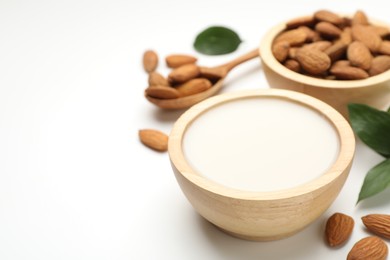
[(248, 56)]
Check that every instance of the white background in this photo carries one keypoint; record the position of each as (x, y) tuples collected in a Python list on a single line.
[(75, 182)]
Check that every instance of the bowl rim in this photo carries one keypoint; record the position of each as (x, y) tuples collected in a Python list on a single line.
[(268, 58), (342, 162)]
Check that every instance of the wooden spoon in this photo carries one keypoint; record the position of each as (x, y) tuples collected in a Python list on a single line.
[(214, 72)]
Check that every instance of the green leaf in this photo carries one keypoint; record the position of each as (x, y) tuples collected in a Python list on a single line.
[(377, 180), (217, 40), (372, 126)]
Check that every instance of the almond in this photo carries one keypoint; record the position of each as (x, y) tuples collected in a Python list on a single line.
[(280, 50), (341, 63), (156, 79), (293, 37), (368, 248), (327, 16), (313, 61), (359, 55), (380, 30), (360, 18), (328, 30), (177, 60), (183, 73), (379, 64), (311, 35), (162, 92), (154, 139), (379, 224), (292, 52), (346, 35), (301, 21), (150, 60), (385, 48), (194, 86), (336, 51), (365, 35), (292, 65), (319, 45), (349, 73), (338, 229)]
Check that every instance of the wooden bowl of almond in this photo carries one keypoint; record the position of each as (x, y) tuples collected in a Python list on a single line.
[(337, 59)]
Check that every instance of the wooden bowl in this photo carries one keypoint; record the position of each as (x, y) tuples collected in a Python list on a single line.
[(261, 215), (373, 91)]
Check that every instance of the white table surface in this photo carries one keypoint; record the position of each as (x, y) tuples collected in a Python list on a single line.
[(75, 182)]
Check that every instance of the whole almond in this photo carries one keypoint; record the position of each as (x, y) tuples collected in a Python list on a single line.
[(300, 21), (328, 30), (293, 37), (365, 35), (338, 229), (313, 61), (183, 73), (349, 73), (292, 52), (292, 65), (380, 30), (150, 60), (346, 35), (280, 50), (327, 16), (359, 18), (177, 60), (359, 55), (341, 63), (162, 92), (379, 224), (385, 48), (156, 79), (311, 35), (319, 45), (194, 86), (336, 51), (368, 248), (379, 64), (154, 139)]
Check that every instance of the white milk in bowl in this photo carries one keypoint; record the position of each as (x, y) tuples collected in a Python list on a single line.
[(261, 144)]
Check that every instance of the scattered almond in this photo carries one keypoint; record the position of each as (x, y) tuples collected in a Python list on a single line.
[(150, 60), (177, 60), (154, 139), (336, 51), (162, 92), (319, 45), (369, 248), (346, 35), (338, 229), (379, 224)]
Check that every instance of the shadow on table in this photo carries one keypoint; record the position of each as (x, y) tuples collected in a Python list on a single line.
[(299, 246)]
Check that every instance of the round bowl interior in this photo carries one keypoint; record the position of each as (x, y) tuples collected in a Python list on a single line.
[(373, 91), (259, 215)]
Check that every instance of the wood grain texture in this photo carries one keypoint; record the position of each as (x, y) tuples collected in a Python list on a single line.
[(373, 91), (262, 215)]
